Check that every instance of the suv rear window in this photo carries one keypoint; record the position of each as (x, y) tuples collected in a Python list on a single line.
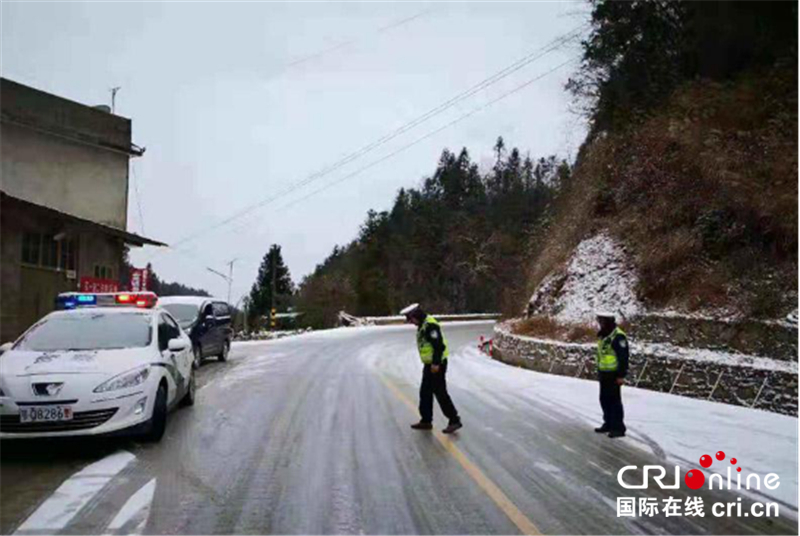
[(184, 313)]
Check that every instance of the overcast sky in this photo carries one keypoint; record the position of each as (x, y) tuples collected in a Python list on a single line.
[(237, 102)]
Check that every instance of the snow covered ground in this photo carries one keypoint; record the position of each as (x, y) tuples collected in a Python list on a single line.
[(677, 428), (683, 428)]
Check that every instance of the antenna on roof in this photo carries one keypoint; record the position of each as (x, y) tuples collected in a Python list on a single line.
[(113, 91)]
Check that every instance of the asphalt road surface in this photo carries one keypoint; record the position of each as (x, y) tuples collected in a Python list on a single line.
[(310, 435)]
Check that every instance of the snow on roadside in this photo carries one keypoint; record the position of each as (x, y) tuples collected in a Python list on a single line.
[(733, 359), (598, 277), (684, 428), (721, 357)]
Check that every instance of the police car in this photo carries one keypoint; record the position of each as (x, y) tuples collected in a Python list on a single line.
[(101, 364)]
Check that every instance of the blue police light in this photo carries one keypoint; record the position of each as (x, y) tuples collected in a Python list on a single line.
[(68, 304), (71, 300)]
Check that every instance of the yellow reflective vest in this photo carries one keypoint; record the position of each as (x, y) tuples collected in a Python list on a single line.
[(606, 356), (424, 346)]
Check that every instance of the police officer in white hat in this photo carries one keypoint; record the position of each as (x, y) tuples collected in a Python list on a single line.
[(612, 367), (433, 353)]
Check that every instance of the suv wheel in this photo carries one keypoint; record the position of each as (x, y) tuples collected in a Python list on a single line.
[(226, 348), (197, 352), (188, 398)]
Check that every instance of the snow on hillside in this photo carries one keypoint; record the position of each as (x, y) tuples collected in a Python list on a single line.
[(598, 277)]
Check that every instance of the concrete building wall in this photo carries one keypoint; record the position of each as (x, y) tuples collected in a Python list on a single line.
[(99, 249), (10, 278), (73, 177), (28, 292)]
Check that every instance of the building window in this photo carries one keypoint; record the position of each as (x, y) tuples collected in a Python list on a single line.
[(44, 251), (30, 248), (103, 272)]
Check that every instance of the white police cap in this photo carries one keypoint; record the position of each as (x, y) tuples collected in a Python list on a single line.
[(410, 309), (606, 314)]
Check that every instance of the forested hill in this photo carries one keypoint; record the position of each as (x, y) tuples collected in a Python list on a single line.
[(457, 243), (690, 166), (691, 160)]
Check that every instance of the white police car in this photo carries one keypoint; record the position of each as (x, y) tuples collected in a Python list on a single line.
[(105, 363)]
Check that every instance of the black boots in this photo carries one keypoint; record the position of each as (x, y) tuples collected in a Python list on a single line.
[(422, 425), (452, 427)]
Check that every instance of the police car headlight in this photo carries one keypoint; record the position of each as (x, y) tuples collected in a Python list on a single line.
[(124, 381)]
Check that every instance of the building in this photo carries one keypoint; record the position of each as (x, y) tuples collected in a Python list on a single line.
[(63, 201)]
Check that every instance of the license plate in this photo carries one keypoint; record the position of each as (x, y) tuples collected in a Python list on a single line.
[(45, 414)]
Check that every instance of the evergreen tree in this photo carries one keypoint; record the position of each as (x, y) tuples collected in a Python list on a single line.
[(448, 244), (272, 275)]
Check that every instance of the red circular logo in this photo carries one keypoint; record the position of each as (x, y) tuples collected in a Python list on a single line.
[(695, 479)]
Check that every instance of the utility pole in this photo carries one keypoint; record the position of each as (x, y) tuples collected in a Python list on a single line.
[(230, 277), (272, 293), (113, 91)]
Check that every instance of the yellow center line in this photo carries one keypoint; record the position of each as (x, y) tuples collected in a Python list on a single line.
[(525, 525)]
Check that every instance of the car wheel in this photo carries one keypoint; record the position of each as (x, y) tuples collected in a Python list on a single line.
[(198, 356), (158, 421), (226, 348), (188, 398)]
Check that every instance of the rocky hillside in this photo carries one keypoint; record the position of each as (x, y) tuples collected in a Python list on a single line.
[(693, 209)]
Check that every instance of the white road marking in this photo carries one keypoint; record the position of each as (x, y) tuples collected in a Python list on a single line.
[(137, 508), (75, 493)]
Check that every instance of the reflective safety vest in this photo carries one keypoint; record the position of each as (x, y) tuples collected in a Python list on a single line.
[(425, 347), (606, 356)]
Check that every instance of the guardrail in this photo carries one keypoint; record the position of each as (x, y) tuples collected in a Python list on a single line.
[(349, 320)]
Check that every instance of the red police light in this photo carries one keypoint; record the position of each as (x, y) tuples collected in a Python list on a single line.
[(145, 300)]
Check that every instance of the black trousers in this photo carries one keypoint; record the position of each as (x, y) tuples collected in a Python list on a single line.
[(436, 385), (611, 402)]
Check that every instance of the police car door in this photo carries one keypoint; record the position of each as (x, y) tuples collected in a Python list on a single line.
[(178, 364)]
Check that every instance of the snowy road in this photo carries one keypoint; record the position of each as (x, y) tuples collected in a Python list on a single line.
[(310, 435)]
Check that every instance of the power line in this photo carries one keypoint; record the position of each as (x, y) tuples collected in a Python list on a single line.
[(428, 135), (138, 198), (553, 45), (455, 121), (344, 44)]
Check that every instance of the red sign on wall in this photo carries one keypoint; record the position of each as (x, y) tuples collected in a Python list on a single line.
[(95, 284), (140, 279)]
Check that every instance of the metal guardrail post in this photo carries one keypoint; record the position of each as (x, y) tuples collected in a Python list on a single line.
[(675, 382), (715, 385), (758, 395), (641, 374)]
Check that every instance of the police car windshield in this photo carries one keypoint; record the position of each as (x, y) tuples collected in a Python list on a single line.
[(184, 313), (88, 331)]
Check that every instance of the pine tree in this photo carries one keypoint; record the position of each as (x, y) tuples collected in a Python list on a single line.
[(272, 275)]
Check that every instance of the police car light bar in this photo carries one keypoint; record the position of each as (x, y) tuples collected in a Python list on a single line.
[(71, 300)]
